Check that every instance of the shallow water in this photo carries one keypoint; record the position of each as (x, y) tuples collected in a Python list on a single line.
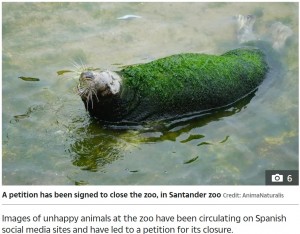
[(48, 138)]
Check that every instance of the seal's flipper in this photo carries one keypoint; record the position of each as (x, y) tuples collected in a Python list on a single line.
[(245, 28), (280, 33)]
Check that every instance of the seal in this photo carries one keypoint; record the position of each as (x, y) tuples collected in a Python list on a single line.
[(180, 84)]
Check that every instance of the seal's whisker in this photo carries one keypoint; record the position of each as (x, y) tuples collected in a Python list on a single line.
[(89, 97), (94, 91), (85, 89), (84, 66), (79, 67), (75, 64)]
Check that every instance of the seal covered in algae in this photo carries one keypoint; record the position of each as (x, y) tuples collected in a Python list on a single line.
[(179, 84)]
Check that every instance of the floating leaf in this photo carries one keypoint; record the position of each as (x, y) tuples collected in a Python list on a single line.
[(134, 171), (204, 143), (18, 117), (191, 160), (93, 69), (61, 72), (29, 78), (226, 138), (192, 137), (81, 182)]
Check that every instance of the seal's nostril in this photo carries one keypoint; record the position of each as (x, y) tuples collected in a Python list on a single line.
[(87, 75)]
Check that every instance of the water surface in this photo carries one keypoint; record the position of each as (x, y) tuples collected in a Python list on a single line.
[(48, 138)]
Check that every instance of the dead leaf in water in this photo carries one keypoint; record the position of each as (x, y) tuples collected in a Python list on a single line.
[(61, 72), (191, 160), (29, 78)]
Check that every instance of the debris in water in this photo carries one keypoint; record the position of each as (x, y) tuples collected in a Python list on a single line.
[(126, 17), (23, 116), (226, 138), (191, 160), (29, 78), (61, 72)]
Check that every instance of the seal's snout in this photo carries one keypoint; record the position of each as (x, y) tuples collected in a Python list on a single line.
[(85, 86), (87, 75)]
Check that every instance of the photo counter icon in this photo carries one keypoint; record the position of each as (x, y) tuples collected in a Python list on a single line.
[(282, 177), (277, 178)]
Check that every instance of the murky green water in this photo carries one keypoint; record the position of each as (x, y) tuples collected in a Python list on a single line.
[(48, 138)]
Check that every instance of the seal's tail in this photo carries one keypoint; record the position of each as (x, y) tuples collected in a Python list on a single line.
[(280, 33), (245, 28)]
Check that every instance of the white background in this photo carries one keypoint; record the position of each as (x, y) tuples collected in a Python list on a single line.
[(287, 206)]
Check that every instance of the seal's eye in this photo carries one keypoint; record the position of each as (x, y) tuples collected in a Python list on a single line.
[(87, 75)]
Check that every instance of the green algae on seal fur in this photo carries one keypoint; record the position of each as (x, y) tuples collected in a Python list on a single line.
[(198, 80), (172, 86)]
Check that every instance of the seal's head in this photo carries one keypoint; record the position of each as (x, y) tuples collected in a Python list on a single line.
[(93, 85)]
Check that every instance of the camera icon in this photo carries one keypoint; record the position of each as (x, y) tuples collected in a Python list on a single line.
[(277, 178)]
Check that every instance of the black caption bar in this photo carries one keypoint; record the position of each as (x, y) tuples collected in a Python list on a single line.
[(282, 177)]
